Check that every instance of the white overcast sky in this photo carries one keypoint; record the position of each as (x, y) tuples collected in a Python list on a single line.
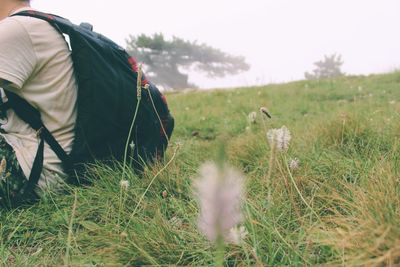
[(279, 38)]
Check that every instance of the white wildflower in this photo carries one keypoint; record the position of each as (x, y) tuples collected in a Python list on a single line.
[(252, 117), (360, 88), (279, 138), (294, 164), (237, 235), (392, 102), (220, 194), (124, 184)]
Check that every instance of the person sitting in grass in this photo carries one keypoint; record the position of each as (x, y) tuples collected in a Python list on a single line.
[(35, 64)]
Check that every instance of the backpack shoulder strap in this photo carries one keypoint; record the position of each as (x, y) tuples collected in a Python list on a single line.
[(31, 116), (61, 24)]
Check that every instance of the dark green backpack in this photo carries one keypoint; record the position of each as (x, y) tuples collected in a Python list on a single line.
[(112, 114)]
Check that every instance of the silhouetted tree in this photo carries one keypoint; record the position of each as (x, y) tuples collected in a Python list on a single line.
[(328, 68), (164, 60)]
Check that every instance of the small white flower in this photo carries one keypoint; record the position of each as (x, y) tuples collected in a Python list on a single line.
[(392, 102), (237, 235), (219, 192), (294, 164), (124, 184), (252, 117), (360, 88), (279, 138)]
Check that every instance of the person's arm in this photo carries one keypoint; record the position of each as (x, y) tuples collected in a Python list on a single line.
[(17, 54)]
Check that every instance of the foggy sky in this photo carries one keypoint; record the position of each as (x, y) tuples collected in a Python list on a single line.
[(279, 38)]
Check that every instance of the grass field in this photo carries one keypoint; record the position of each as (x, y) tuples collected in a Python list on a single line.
[(341, 207)]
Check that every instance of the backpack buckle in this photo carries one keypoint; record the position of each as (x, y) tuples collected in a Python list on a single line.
[(39, 132)]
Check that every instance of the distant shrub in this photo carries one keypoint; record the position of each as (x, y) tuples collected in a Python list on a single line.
[(328, 68)]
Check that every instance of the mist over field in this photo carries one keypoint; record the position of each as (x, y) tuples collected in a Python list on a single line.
[(279, 39)]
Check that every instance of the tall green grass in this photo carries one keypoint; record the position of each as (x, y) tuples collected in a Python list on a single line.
[(340, 208)]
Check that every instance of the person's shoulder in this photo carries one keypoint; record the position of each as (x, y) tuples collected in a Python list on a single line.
[(14, 26), (10, 27), (24, 21)]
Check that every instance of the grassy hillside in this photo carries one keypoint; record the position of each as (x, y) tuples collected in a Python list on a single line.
[(341, 207)]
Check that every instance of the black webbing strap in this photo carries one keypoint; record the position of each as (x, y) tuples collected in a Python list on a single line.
[(4, 106), (28, 194), (31, 116)]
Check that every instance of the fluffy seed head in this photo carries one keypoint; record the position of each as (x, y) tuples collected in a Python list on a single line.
[(219, 192), (294, 164), (237, 235), (280, 138), (124, 184), (252, 117)]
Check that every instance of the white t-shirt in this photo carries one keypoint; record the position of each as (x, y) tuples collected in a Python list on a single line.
[(36, 59)]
